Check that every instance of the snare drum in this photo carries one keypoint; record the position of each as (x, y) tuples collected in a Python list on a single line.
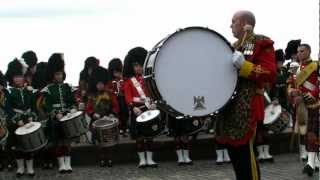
[(30, 137), (74, 125), (106, 131), (149, 124), (276, 118), (171, 83)]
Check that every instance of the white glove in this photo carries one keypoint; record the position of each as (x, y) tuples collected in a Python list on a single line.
[(237, 59), (96, 115), (153, 106), (73, 110), (81, 106), (20, 123)]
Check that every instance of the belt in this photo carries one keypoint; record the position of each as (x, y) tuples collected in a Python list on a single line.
[(20, 111)]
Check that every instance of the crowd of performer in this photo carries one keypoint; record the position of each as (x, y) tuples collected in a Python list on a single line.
[(36, 91)]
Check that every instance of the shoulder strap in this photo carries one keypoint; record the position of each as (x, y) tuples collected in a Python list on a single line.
[(305, 73)]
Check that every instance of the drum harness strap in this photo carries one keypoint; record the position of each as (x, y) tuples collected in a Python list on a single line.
[(143, 96)]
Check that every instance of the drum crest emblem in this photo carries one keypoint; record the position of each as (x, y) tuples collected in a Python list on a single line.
[(198, 103)]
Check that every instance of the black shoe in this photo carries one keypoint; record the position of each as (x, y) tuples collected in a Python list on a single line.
[(189, 163), (110, 164), (153, 165), (180, 163), (18, 175), (261, 160), (69, 171), (304, 159), (142, 166), (63, 171), (103, 163), (219, 163), (308, 170), (270, 160), (31, 175)]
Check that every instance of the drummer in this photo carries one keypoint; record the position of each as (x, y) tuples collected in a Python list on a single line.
[(104, 104), (255, 61), (20, 109), (278, 95), (134, 90), (59, 101), (116, 85)]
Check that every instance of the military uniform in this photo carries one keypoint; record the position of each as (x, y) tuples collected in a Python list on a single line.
[(20, 108), (241, 115), (136, 57), (59, 100), (116, 85), (307, 85)]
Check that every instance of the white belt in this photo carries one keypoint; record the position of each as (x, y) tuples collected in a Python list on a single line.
[(21, 111), (308, 85)]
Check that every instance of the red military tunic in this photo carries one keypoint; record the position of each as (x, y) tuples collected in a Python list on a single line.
[(241, 116), (310, 87), (131, 94)]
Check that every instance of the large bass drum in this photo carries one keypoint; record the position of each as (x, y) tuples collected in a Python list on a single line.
[(190, 73)]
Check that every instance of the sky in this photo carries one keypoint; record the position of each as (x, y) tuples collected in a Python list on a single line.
[(110, 28)]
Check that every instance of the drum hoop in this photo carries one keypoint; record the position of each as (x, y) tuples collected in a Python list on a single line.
[(22, 134), (156, 49), (64, 120)]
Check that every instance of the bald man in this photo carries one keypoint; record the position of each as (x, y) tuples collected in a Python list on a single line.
[(255, 60)]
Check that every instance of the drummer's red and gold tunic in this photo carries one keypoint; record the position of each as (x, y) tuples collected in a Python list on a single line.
[(241, 115)]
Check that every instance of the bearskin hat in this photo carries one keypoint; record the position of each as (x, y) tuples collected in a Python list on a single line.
[(55, 64), (279, 55), (100, 74), (135, 55), (90, 62), (39, 79), (115, 65), (3, 81), (30, 58), (292, 48), (15, 68)]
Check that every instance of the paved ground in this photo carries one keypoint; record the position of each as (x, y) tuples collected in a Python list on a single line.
[(287, 167)]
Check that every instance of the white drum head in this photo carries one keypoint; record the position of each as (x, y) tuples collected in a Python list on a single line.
[(71, 116), (272, 113), (103, 123), (194, 72), (148, 115), (28, 128)]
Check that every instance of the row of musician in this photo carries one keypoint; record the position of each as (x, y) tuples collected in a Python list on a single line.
[(41, 113)]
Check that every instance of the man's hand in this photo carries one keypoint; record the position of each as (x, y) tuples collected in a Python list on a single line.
[(20, 123), (136, 110), (59, 116)]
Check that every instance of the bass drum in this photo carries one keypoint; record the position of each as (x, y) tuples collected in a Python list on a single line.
[(190, 73)]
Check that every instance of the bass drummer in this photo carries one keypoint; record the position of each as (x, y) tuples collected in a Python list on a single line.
[(20, 107), (255, 61), (59, 100), (138, 101), (103, 104)]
